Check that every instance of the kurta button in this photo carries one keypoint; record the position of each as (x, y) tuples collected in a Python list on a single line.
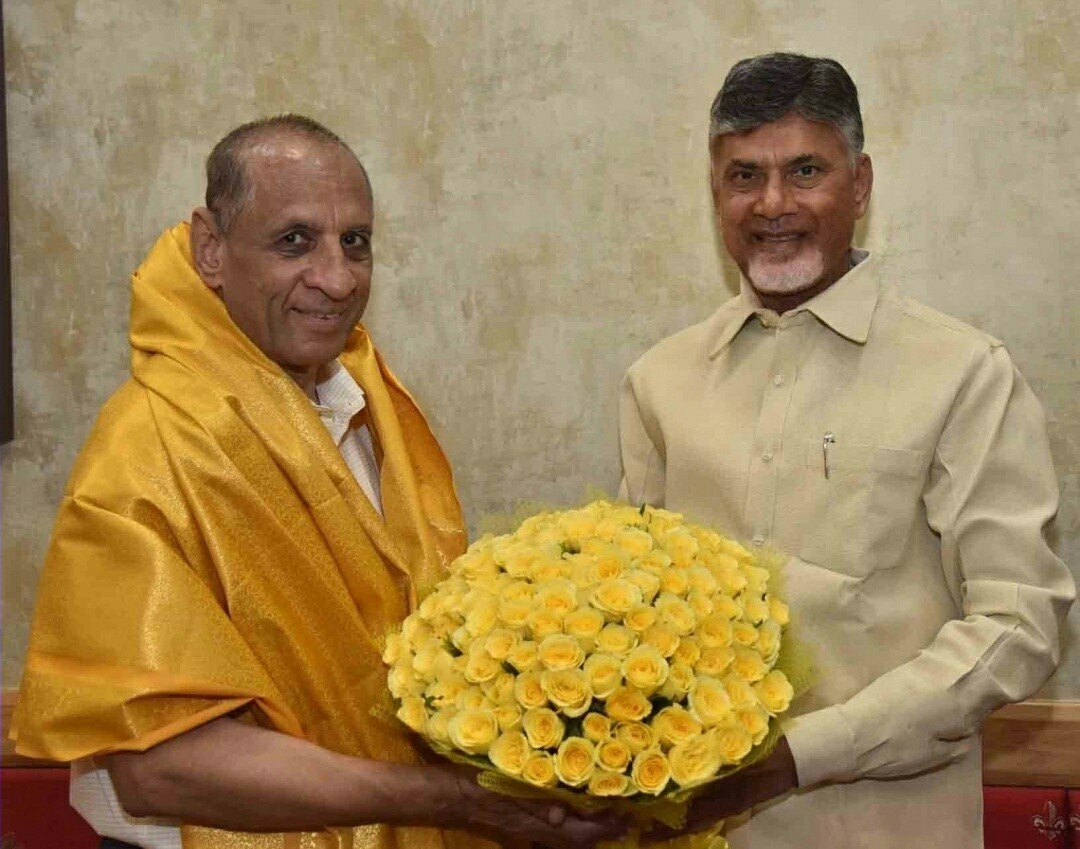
[(766, 456), (778, 380), (759, 539)]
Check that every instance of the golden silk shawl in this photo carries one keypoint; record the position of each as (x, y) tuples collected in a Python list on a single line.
[(214, 552)]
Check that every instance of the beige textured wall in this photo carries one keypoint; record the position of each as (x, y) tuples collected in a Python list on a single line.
[(540, 173)]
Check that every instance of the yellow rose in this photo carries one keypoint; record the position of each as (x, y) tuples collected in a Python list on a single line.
[(717, 630), (524, 655), (472, 698), (633, 541), (529, 691), (402, 681), (438, 725), (779, 611), (481, 667), (509, 752), (755, 608), (636, 735), (675, 580), (395, 649), (415, 630), (514, 612), (473, 731), (775, 692), (568, 690), (543, 728), (640, 617), (413, 713), (647, 582), (726, 606), (700, 603), (734, 549), (606, 528), (614, 754), (768, 642), (577, 525), (748, 664), (481, 618), (677, 613), (552, 568), (651, 772), (680, 546), (733, 742), (655, 562), (680, 681), (584, 625), (615, 596), (661, 521), (709, 702), (558, 596), (431, 606), (757, 579), (744, 634), (714, 661), (596, 726), (741, 693), (694, 759), (674, 725), (462, 639), (543, 623), (604, 672), (509, 716), (500, 689), (444, 691), (607, 562), (627, 704), (701, 580), (645, 668), (500, 642), (608, 784), (616, 640), (575, 761), (755, 721), (517, 561), (559, 651), (432, 661), (517, 591), (664, 637), (729, 577), (539, 770), (445, 625), (688, 652)]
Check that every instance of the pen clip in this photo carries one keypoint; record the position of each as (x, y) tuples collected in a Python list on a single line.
[(826, 440)]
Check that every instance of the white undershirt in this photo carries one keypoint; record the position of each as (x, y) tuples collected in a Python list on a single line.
[(91, 790)]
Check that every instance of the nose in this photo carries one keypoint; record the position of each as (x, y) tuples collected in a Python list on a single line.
[(331, 272), (775, 198)]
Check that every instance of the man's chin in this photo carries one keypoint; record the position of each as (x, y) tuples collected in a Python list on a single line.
[(787, 278)]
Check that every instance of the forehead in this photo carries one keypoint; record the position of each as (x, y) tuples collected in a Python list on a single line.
[(291, 174), (780, 141)]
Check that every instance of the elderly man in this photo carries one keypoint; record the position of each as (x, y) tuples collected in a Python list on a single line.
[(894, 452), (252, 513)]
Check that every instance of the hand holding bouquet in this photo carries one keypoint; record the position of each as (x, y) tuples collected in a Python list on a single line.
[(606, 651)]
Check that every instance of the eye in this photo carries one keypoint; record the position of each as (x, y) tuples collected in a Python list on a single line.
[(293, 242), (357, 241), (807, 173)]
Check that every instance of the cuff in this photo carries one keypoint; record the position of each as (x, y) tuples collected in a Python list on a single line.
[(822, 745)]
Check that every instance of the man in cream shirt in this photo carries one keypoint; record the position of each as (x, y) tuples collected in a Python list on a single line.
[(895, 453)]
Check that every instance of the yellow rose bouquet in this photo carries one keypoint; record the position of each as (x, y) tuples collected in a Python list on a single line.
[(604, 654)]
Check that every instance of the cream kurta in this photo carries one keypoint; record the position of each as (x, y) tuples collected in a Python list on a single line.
[(920, 575)]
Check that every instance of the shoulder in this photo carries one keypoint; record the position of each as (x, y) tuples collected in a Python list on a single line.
[(681, 351), (898, 312)]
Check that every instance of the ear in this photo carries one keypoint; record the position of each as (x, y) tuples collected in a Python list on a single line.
[(864, 182), (207, 247)]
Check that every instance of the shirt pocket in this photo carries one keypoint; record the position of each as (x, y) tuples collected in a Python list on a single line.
[(861, 516)]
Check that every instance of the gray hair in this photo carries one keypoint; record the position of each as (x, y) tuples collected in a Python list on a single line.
[(228, 189), (766, 88)]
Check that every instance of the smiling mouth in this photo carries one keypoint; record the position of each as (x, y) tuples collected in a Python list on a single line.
[(319, 315), (778, 237)]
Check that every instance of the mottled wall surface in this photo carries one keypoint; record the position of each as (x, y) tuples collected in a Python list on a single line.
[(543, 216)]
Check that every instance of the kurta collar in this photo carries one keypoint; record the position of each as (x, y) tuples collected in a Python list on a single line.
[(846, 307)]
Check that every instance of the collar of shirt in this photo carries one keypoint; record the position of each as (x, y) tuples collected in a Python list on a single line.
[(340, 399), (846, 307)]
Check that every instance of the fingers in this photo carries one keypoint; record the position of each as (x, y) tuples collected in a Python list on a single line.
[(556, 816)]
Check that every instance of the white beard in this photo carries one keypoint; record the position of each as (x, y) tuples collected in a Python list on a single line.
[(786, 277)]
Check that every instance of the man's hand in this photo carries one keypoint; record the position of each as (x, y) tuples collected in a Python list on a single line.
[(767, 779), (535, 821)]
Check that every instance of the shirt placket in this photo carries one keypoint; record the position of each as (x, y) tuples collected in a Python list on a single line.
[(763, 472)]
